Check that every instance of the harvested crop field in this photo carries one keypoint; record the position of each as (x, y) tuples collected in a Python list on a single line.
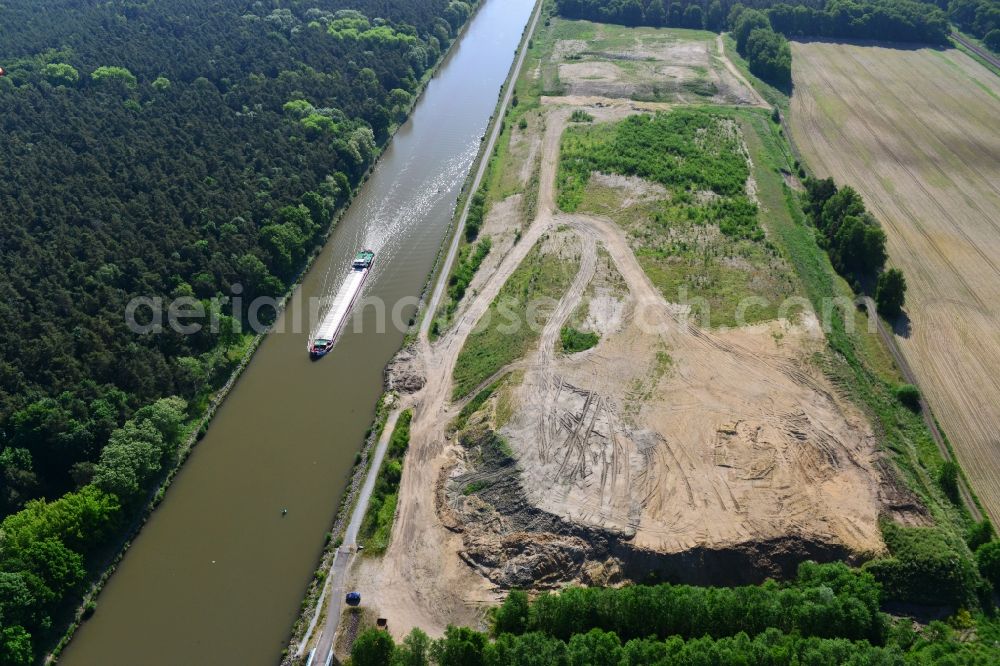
[(916, 133)]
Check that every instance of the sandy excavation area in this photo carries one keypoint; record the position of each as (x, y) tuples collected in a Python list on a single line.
[(646, 64), (916, 133), (696, 455)]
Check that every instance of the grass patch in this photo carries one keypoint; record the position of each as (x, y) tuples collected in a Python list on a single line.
[(470, 258), (505, 333), (376, 528), (580, 116), (475, 404), (475, 487), (572, 340)]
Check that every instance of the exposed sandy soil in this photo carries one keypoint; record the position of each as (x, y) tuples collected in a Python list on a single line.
[(916, 133), (723, 456), (664, 68)]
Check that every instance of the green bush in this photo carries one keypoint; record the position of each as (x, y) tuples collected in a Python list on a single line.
[(909, 395), (61, 74), (980, 533), (926, 566), (372, 648), (469, 260), (988, 561), (573, 341), (512, 616), (948, 479), (890, 293), (477, 211), (376, 528), (114, 74)]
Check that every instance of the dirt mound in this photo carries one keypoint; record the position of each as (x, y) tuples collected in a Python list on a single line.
[(405, 373)]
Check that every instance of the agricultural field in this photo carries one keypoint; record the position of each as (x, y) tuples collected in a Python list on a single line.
[(915, 132), (646, 64)]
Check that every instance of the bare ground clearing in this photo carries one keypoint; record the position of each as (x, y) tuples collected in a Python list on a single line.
[(723, 456), (915, 132), (648, 64)]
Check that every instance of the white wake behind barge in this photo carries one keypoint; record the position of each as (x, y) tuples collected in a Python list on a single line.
[(336, 316)]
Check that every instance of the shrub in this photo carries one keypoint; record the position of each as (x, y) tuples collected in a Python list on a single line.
[(979, 534), (61, 74), (988, 561), (890, 293), (372, 648), (926, 566), (574, 341), (469, 261), (909, 395), (948, 479), (114, 74), (512, 616), (477, 210)]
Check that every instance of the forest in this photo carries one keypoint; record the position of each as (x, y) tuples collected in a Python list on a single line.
[(196, 149), (897, 20), (828, 616), (980, 18)]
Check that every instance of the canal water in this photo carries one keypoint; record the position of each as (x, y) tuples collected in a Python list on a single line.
[(217, 574)]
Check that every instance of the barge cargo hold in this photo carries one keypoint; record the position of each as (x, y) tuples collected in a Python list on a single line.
[(333, 323)]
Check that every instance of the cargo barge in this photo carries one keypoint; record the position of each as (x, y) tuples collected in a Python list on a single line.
[(328, 331)]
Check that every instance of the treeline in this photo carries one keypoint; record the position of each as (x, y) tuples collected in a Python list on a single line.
[(824, 600), (166, 150), (855, 242), (832, 618), (697, 14), (886, 20), (767, 52), (899, 20), (980, 18), (47, 549)]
